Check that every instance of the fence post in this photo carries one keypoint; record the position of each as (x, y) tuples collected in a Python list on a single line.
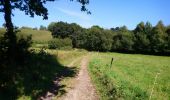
[(111, 63)]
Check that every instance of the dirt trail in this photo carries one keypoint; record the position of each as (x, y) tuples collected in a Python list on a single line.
[(83, 88), (49, 95)]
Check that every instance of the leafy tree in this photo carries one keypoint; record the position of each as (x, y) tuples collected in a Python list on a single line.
[(158, 39), (93, 39), (43, 27), (60, 29), (35, 28), (123, 41), (168, 38), (82, 39), (65, 30), (142, 32), (148, 28), (98, 39), (30, 7), (75, 31), (140, 27), (115, 29), (13, 49), (106, 39)]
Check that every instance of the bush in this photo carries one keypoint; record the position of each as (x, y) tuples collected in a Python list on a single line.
[(60, 43)]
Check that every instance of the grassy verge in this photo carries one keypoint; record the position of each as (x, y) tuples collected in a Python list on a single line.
[(131, 76)]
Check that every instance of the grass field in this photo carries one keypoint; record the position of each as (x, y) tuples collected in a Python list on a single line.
[(131, 76), (39, 36)]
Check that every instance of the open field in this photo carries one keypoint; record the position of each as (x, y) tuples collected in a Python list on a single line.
[(131, 76), (38, 36)]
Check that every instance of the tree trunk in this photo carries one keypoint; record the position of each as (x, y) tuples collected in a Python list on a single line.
[(10, 34)]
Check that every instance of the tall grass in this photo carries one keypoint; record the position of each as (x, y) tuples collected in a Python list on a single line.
[(131, 76)]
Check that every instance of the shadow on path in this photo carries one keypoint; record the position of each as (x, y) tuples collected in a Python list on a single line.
[(35, 77)]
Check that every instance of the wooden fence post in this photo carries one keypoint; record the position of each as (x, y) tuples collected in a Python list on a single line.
[(111, 63)]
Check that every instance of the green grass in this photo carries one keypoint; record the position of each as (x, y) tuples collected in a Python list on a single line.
[(35, 78), (39, 36), (131, 76)]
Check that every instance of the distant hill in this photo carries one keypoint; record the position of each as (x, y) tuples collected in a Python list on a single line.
[(39, 36)]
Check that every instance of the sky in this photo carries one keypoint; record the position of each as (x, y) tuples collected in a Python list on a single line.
[(105, 13)]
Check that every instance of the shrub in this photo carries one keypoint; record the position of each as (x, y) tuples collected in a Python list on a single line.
[(60, 43)]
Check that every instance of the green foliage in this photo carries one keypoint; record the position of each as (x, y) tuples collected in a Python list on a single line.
[(97, 39), (10, 66), (158, 39), (42, 27), (93, 39), (60, 43), (123, 41), (75, 33), (142, 42), (143, 39), (168, 38), (104, 84), (60, 29), (23, 42)]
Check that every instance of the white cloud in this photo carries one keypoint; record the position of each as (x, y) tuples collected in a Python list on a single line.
[(80, 15)]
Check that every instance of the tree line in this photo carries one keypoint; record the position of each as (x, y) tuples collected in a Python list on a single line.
[(145, 38)]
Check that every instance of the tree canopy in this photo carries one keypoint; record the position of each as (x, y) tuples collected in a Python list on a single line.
[(31, 8), (145, 38)]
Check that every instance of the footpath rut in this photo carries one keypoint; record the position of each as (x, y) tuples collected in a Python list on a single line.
[(83, 88)]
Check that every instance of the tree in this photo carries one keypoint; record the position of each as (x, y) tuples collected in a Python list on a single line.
[(142, 41), (123, 41), (30, 7), (13, 49), (140, 27), (60, 29), (93, 40), (98, 39), (42, 27), (168, 38), (35, 28), (106, 39), (76, 30), (158, 38)]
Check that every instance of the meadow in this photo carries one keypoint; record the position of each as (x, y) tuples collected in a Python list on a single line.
[(131, 76), (43, 67), (40, 38)]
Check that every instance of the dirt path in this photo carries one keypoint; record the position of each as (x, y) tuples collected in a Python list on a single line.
[(83, 88), (50, 95)]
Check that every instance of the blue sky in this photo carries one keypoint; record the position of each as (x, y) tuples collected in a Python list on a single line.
[(105, 13)]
